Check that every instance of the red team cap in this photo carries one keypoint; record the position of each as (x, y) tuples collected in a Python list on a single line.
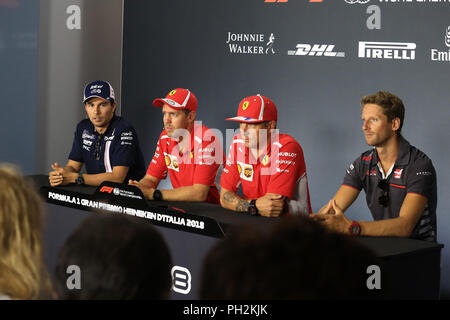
[(178, 99), (256, 109)]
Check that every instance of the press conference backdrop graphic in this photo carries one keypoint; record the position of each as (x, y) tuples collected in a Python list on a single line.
[(314, 59)]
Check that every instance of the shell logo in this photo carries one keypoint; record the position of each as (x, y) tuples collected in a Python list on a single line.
[(168, 161), (239, 168)]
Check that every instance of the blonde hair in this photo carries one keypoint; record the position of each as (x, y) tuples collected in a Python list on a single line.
[(22, 271)]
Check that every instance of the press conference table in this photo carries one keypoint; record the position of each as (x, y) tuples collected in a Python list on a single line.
[(410, 270)]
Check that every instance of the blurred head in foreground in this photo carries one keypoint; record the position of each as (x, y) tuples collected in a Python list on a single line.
[(118, 257), (297, 259), (22, 270)]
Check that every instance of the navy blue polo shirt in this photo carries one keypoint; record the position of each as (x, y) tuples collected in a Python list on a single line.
[(413, 172), (117, 146)]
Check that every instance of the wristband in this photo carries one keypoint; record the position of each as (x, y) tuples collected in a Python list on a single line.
[(79, 179), (157, 195), (355, 228), (252, 209)]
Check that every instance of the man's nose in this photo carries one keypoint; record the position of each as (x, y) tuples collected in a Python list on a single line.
[(365, 125)]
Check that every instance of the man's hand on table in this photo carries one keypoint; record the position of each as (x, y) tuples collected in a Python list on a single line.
[(270, 205), (147, 191), (60, 176), (333, 217)]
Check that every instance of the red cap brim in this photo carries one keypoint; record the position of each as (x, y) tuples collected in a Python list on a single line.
[(245, 120)]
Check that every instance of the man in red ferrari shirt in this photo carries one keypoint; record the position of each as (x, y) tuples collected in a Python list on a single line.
[(188, 150), (269, 166)]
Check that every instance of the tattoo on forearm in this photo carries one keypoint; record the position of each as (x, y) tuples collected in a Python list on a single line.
[(229, 196), (242, 205)]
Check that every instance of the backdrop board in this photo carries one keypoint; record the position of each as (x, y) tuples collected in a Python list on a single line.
[(314, 59)]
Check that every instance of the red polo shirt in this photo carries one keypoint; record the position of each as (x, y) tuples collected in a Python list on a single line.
[(281, 170), (197, 165)]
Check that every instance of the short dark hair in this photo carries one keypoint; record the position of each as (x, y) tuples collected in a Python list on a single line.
[(120, 257), (297, 259), (111, 100), (392, 105)]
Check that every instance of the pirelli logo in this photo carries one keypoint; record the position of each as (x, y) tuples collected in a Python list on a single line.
[(387, 50)]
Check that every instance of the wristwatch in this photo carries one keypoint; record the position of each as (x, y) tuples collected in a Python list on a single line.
[(157, 195), (252, 209), (79, 179), (355, 228)]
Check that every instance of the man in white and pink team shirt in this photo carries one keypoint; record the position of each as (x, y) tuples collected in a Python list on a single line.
[(269, 166), (189, 151)]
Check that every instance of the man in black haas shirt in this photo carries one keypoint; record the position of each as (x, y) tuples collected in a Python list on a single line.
[(105, 143), (399, 180)]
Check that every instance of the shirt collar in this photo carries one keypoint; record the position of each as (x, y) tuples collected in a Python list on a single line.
[(404, 152), (403, 155)]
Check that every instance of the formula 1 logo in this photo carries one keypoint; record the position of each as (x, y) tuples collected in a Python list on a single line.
[(106, 189), (318, 50)]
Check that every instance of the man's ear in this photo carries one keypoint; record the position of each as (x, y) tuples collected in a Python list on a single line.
[(191, 116), (396, 124), (272, 125)]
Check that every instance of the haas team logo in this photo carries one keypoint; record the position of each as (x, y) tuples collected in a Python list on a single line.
[(398, 173)]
